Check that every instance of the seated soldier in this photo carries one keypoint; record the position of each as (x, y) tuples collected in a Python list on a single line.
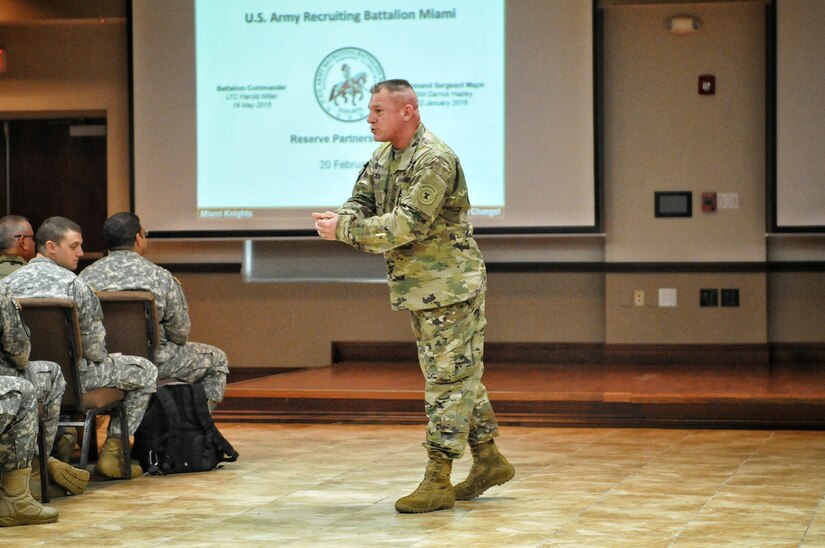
[(49, 385), (18, 435), (49, 274), (123, 269), (16, 243), (16, 250)]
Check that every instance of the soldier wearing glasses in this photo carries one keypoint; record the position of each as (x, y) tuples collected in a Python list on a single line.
[(16, 243)]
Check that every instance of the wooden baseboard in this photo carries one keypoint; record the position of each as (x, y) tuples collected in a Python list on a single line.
[(585, 353), (405, 352), (238, 374), (675, 354), (798, 353)]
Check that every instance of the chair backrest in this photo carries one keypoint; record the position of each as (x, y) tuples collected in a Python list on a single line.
[(131, 322), (55, 336)]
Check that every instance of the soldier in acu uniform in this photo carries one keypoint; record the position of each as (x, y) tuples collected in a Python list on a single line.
[(123, 269), (49, 274), (18, 435), (49, 385), (16, 243), (410, 203)]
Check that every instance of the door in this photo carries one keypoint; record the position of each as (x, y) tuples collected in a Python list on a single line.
[(56, 167)]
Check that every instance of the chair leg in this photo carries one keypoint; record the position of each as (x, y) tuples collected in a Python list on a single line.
[(44, 460), (88, 426), (124, 435)]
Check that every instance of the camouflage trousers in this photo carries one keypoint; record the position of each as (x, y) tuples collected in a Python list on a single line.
[(450, 342), (135, 375), (18, 423), (197, 362), (49, 386)]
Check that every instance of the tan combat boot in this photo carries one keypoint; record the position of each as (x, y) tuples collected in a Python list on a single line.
[(435, 492), (489, 468), (110, 460), (72, 479), (64, 444), (17, 507)]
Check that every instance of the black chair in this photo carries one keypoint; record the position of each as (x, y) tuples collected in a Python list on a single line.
[(55, 336)]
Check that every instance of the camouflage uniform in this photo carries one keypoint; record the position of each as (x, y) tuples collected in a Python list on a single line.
[(125, 270), (43, 277), (18, 423), (10, 263), (46, 377), (412, 206)]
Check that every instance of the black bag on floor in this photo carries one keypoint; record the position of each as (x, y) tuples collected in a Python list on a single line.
[(177, 433)]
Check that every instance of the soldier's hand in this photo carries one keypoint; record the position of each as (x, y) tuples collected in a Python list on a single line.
[(325, 224)]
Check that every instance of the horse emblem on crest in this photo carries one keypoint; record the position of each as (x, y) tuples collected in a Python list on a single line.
[(342, 83)]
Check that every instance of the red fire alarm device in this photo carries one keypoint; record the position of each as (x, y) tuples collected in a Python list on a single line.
[(708, 201), (707, 84)]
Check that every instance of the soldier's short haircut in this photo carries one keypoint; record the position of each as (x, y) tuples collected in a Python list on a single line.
[(10, 228), (394, 85), (54, 229), (120, 230)]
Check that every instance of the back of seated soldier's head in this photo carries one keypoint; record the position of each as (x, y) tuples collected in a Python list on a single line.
[(15, 231), (120, 231), (54, 229)]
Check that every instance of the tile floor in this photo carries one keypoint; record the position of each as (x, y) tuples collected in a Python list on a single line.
[(335, 485)]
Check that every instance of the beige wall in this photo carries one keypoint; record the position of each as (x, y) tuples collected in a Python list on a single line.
[(659, 135), (294, 324), (73, 68)]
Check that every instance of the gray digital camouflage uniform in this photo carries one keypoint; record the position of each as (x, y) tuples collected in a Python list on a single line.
[(125, 270), (18, 423), (46, 376), (412, 206), (137, 376)]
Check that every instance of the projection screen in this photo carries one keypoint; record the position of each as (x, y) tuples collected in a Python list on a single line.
[(250, 114)]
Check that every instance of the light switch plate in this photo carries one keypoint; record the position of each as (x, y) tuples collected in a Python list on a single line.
[(667, 296)]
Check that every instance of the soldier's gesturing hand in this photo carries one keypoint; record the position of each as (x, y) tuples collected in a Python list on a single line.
[(325, 224)]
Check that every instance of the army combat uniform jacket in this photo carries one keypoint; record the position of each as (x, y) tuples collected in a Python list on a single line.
[(412, 206), (10, 263), (137, 376), (126, 270), (46, 377)]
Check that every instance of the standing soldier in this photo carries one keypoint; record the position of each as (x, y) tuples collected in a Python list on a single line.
[(410, 203)]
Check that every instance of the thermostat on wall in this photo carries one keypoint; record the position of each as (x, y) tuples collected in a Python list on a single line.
[(673, 204)]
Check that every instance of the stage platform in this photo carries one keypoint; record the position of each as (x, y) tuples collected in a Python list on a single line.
[(531, 394)]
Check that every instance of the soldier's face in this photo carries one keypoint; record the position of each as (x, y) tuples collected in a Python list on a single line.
[(68, 251), (26, 247), (386, 118)]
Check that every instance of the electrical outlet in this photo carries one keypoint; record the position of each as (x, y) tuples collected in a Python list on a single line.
[(708, 297), (730, 297), (639, 297)]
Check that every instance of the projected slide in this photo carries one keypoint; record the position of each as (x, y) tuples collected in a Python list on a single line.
[(282, 91)]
